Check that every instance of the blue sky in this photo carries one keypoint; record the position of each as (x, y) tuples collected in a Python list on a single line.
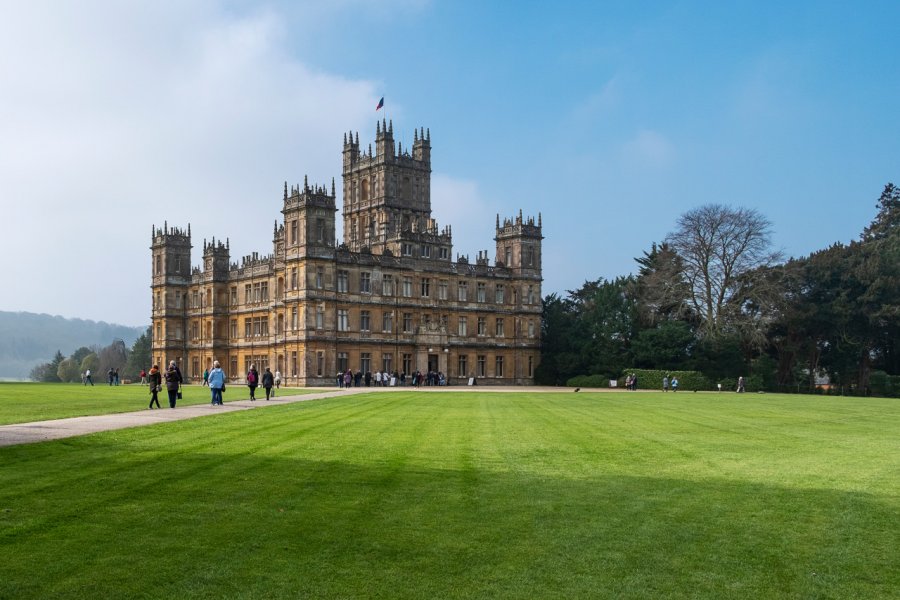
[(611, 119)]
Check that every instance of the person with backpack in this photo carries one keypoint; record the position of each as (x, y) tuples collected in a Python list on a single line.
[(173, 382), (252, 381)]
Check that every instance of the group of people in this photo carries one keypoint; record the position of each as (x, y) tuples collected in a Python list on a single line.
[(173, 381), (269, 382), (214, 379), (667, 383), (387, 379)]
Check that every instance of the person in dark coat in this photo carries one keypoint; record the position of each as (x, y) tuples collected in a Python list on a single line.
[(155, 381), (252, 381), (173, 382), (268, 380)]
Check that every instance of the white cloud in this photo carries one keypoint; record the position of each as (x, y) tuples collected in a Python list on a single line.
[(458, 202), (114, 117)]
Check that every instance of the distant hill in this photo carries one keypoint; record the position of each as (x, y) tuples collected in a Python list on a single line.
[(29, 339)]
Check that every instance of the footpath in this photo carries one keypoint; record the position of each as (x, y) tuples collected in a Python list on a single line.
[(42, 431)]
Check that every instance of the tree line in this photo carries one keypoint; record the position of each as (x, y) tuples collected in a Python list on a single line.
[(99, 360), (714, 297)]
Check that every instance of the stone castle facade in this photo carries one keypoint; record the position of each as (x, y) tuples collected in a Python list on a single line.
[(389, 297)]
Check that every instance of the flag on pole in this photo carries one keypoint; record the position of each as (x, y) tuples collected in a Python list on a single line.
[(380, 104)]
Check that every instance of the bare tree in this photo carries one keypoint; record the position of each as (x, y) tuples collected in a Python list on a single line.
[(719, 246)]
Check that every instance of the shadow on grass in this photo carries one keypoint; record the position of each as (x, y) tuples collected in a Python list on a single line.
[(116, 521)]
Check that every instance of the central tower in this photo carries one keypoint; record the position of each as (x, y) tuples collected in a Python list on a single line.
[(386, 193)]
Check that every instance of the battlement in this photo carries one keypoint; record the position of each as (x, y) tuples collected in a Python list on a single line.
[(385, 151), (519, 227), (308, 196), (167, 235)]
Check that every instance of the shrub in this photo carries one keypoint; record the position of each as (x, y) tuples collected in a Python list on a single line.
[(588, 381), (651, 379)]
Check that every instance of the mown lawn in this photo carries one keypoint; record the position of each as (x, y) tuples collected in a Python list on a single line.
[(467, 495), (26, 402)]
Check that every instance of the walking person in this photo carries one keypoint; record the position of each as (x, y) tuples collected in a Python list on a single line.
[(268, 381), (206, 377), (87, 378), (116, 375), (155, 382), (173, 382), (277, 379), (674, 384), (740, 387), (252, 381), (665, 383), (143, 376), (216, 382)]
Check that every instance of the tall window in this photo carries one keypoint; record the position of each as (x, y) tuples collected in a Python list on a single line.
[(530, 366), (364, 320), (343, 323), (426, 287), (498, 294), (234, 299), (508, 257), (498, 366), (320, 278), (320, 317), (462, 291), (407, 322), (498, 329), (407, 363), (320, 363), (482, 326), (343, 361), (294, 232), (480, 293), (387, 363), (295, 320), (294, 278), (234, 329), (248, 294), (463, 326), (531, 329), (387, 285), (387, 322), (444, 253), (294, 363), (365, 361), (407, 287), (443, 285), (426, 251), (406, 249), (530, 295), (365, 283), (343, 281), (479, 365), (462, 368)]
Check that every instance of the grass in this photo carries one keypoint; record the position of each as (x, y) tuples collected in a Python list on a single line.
[(468, 495), (27, 402)]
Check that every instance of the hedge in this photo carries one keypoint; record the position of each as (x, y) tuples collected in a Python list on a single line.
[(651, 379)]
